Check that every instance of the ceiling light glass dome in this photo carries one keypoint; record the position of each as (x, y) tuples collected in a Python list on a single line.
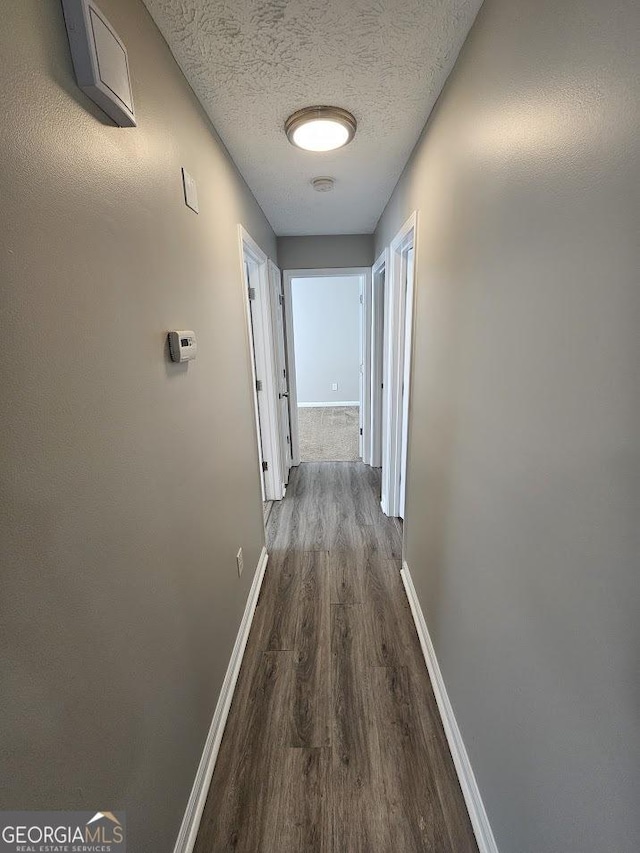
[(320, 128)]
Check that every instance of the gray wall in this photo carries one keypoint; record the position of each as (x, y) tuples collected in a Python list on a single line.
[(334, 251), (524, 482), (326, 331), (127, 483)]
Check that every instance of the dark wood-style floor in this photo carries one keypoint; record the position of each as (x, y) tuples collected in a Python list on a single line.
[(334, 742)]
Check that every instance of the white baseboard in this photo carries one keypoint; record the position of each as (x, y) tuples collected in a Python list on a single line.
[(470, 790), (330, 403), (193, 814)]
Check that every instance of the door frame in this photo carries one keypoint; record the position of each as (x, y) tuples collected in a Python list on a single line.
[(262, 361), (399, 313), (365, 348), (378, 296)]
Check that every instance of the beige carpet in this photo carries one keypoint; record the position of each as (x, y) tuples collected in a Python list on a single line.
[(329, 433)]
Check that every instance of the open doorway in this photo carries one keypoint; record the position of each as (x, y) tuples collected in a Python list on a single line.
[(325, 347)]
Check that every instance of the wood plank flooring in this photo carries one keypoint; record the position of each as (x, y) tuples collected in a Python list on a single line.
[(334, 742)]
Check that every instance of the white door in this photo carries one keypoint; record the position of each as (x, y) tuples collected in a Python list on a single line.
[(255, 280), (251, 287), (406, 356), (363, 358), (282, 381), (399, 290), (377, 364)]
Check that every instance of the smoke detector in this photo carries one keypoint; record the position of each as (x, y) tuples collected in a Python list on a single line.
[(323, 185)]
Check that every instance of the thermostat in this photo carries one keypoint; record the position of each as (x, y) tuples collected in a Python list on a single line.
[(182, 346), (99, 60)]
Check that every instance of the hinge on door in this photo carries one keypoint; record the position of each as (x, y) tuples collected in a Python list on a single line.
[(361, 299), (288, 440), (280, 299), (360, 430), (258, 384), (265, 466), (252, 293)]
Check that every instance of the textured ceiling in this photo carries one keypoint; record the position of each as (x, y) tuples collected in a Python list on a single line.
[(253, 62)]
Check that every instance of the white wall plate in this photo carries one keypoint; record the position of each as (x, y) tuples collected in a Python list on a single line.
[(100, 60), (190, 191)]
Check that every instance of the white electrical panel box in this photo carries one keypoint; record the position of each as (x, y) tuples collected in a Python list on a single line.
[(99, 60), (182, 346)]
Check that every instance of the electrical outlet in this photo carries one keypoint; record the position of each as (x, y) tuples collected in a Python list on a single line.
[(240, 562), (334, 387)]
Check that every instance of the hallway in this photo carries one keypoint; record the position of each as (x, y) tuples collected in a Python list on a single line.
[(334, 742)]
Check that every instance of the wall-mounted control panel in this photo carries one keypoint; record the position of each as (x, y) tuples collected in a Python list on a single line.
[(100, 60), (182, 346)]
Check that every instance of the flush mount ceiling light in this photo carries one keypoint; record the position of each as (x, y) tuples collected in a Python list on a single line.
[(320, 128)]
